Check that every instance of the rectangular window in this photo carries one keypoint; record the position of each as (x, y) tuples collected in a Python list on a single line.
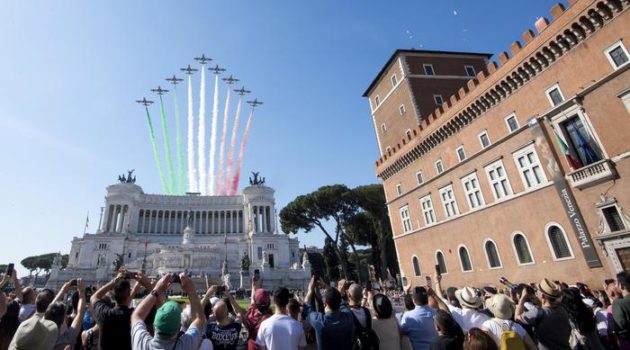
[(511, 122), (419, 177), (438, 167), (427, 210), (406, 220), (617, 54), (581, 144), (428, 69), (394, 80), (498, 180), (554, 95), (399, 189), (473, 192), (461, 154), (401, 109), (438, 100), (377, 101), (484, 139), (529, 167), (448, 201), (470, 71), (613, 219)]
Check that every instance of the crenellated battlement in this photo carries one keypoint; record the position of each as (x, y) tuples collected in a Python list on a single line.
[(568, 28)]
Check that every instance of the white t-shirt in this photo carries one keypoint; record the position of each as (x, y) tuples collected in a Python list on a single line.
[(281, 332), (468, 318), (496, 329)]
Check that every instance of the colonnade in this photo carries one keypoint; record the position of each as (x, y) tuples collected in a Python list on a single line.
[(116, 218), (204, 222), (262, 219)]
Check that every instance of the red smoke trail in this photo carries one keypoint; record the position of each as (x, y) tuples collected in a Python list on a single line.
[(230, 156), (239, 162)]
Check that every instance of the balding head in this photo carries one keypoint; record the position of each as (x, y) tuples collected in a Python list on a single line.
[(355, 292), (220, 310)]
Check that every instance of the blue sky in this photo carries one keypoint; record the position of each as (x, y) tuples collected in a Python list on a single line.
[(71, 71)]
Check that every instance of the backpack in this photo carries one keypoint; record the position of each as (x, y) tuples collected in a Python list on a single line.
[(510, 340), (365, 337)]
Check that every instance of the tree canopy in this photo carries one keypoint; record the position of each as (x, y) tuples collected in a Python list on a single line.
[(359, 216)]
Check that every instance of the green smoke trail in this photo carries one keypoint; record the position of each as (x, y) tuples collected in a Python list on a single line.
[(156, 153), (167, 150), (180, 151)]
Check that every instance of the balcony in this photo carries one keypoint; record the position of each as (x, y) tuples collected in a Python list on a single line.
[(592, 174)]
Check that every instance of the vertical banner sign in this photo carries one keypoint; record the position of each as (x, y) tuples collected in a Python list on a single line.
[(566, 197)]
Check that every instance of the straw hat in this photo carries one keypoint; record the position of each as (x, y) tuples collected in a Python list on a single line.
[(468, 297), (501, 306), (548, 288)]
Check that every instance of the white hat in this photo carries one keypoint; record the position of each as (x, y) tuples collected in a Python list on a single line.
[(35, 334), (468, 297), (214, 300), (501, 306)]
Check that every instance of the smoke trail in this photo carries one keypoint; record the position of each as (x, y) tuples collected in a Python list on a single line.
[(192, 171), (239, 162), (180, 152), (201, 139), (230, 158), (226, 111), (156, 153), (167, 149), (213, 136)]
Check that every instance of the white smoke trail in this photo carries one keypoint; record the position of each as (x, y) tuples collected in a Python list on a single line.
[(201, 139), (192, 172), (228, 175), (219, 189), (213, 136)]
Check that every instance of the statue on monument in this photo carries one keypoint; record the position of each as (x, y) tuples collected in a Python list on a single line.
[(118, 262), (256, 181), (245, 262), (190, 217), (129, 179)]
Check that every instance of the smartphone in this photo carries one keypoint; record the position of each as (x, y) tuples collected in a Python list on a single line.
[(220, 291), (73, 283), (175, 278), (429, 282), (256, 274), (10, 268), (368, 286), (438, 271), (130, 275)]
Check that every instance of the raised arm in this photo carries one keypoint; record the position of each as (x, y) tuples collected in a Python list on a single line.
[(255, 285), (18, 288), (212, 290), (196, 310), (142, 311), (237, 308), (78, 319), (100, 293), (520, 308), (62, 292)]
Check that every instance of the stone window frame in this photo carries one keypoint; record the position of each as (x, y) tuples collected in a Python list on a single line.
[(461, 157), (415, 262), (468, 74), (529, 249), (459, 258), (441, 99), (453, 201), (491, 182), (548, 227), (437, 262), (496, 248), (521, 171), (548, 92), (507, 122), (430, 211), (484, 132), (608, 50), (482, 200), (405, 208), (430, 66)]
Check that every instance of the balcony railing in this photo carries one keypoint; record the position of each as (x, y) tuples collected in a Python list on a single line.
[(592, 174)]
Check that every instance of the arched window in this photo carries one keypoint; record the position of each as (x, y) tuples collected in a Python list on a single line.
[(439, 258), (492, 254), (558, 242), (464, 259), (521, 247), (416, 266)]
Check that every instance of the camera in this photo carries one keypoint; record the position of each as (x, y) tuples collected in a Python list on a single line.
[(175, 279), (10, 268), (220, 290), (130, 275), (73, 283)]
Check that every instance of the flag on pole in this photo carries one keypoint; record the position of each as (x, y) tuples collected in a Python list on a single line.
[(573, 163), (87, 222)]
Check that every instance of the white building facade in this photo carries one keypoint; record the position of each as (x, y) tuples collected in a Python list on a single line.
[(192, 233)]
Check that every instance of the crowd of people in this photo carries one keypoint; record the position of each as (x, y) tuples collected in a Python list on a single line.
[(133, 312)]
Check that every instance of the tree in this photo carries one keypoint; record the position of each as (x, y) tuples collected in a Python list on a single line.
[(331, 259), (328, 203), (370, 226), (42, 263)]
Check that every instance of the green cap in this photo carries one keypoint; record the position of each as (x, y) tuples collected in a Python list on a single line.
[(167, 319)]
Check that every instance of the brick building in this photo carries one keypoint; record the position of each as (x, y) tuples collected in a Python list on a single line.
[(518, 169)]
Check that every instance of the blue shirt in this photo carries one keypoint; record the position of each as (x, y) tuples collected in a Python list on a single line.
[(418, 325), (333, 330)]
